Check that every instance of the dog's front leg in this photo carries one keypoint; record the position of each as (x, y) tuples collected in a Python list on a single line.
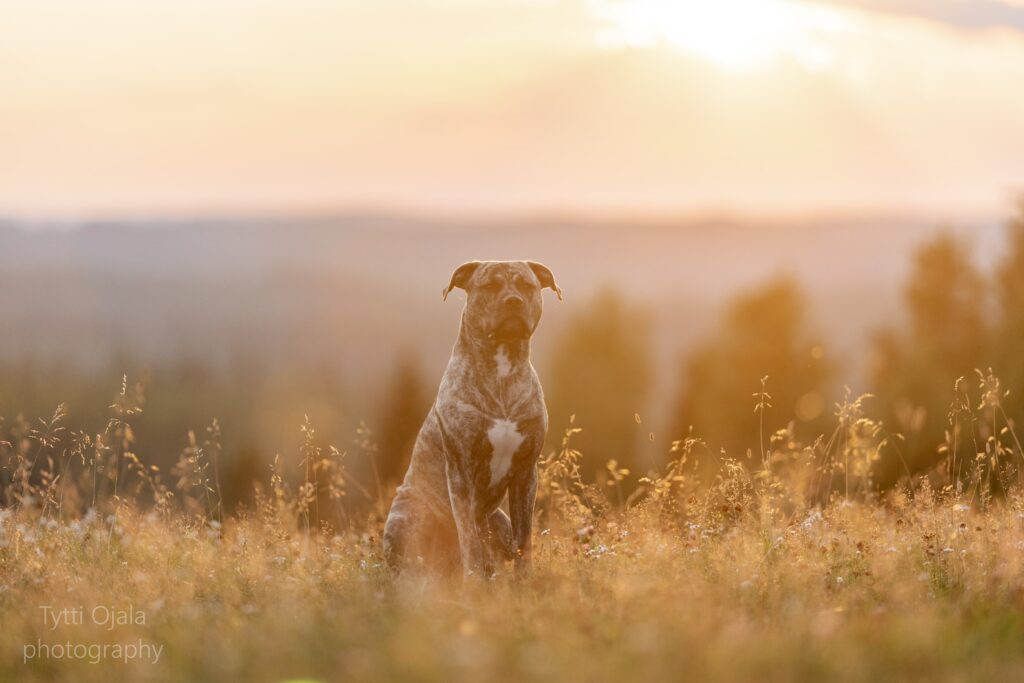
[(470, 543), (522, 494)]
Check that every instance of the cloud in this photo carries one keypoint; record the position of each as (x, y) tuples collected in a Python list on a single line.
[(963, 14)]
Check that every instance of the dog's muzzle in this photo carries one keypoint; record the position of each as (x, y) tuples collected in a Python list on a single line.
[(511, 328)]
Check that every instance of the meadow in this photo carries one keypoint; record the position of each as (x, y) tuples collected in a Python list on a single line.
[(785, 564), (249, 211)]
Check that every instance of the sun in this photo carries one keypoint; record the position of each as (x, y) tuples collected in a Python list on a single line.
[(734, 33)]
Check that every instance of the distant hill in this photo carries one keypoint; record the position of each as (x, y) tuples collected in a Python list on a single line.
[(348, 293)]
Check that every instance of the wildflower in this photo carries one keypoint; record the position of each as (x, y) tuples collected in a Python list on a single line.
[(811, 519)]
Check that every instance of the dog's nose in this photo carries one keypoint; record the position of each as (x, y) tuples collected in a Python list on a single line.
[(513, 301)]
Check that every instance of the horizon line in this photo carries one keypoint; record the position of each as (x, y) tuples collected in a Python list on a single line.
[(490, 218)]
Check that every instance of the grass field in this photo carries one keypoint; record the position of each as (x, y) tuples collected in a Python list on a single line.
[(789, 566)]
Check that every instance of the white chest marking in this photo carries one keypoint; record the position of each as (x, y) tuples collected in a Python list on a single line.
[(505, 441), (501, 359)]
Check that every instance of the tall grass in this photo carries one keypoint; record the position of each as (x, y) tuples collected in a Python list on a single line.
[(793, 566)]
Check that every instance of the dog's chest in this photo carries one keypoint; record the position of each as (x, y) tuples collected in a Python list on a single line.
[(505, 439), (496, 411)]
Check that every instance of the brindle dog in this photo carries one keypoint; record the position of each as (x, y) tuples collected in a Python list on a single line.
[(482, 436)]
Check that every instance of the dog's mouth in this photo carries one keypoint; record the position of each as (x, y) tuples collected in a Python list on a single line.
[(511, 328)]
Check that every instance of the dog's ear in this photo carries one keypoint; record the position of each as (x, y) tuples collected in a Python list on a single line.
[(460, 278), (543, 274)]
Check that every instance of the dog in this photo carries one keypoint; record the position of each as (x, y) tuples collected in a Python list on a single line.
[(483, 435)]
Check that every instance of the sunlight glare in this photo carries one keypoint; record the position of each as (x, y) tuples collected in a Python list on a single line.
[(733, 33)]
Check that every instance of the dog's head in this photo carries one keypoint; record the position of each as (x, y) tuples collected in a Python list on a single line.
[(503, 297)]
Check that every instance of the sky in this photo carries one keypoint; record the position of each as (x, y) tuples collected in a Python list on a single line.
[(115, 108)]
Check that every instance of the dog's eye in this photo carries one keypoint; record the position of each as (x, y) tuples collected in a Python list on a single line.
[(492, 285), (523, 284)]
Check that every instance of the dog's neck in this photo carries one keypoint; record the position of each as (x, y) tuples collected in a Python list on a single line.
[(501, 357)]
